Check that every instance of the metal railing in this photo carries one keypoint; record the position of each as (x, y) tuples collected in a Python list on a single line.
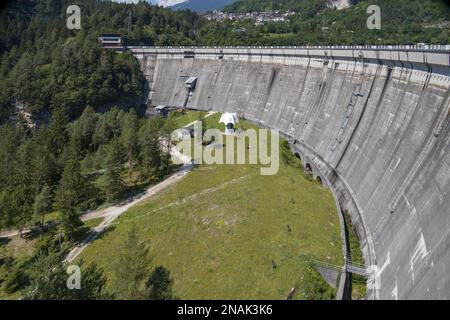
[(416, 47)]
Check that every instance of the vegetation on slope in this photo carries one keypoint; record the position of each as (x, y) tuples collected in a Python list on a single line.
[(225, 231), (244, 6), (46, 67), (241, 241), (96, 160), (74, 167), (402, 22), (358, 284)]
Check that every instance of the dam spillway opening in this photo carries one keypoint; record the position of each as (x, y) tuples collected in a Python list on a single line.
[(372, 123)]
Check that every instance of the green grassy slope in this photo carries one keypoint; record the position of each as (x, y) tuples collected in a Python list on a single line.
[(219, 229)]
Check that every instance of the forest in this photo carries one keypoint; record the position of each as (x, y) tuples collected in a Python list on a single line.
[(51, 175), (45, 66)]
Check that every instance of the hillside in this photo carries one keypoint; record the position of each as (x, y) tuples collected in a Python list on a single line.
[(263, 5), (402, 22), (35, 58), (38, 54), (202, 5), (221, 230)]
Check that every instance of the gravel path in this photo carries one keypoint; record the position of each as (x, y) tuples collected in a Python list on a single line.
[(110, 214)]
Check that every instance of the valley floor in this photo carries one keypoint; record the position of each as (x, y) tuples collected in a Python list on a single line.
[(226, 232)]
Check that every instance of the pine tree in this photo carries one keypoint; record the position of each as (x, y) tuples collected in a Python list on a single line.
[(132, 268), (43, 203), (48, 280), (46, 169), (113, 184), (86, 125), (129, 137), (70, 194), (58, 136), (21, 188), (159, 284), (151, 154)]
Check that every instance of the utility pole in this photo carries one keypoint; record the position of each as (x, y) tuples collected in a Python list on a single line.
[(323, 23), (129, 22)]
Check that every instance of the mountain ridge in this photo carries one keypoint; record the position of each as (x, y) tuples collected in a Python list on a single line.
[(202, 5)]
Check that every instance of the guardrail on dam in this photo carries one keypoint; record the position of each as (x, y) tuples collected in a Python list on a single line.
[(373, 122)]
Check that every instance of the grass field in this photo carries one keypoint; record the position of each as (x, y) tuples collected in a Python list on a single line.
[(188, 117), (221, 228)]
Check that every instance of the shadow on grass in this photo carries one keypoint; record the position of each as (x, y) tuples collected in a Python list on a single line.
[(4, 241), (133, 192), (38, 231), (106, 231), (85, 235)]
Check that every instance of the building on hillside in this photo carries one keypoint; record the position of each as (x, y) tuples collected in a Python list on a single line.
[(110, 41)]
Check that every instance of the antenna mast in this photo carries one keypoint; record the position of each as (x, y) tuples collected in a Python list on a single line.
[(129, 22)]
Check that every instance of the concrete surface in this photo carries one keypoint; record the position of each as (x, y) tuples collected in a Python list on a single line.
[(372, 122)]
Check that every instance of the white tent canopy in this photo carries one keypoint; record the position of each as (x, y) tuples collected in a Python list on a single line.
[(228, 118)]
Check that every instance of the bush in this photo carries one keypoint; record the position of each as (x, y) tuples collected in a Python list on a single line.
[(313, 286), (287, 156), (16, 280)]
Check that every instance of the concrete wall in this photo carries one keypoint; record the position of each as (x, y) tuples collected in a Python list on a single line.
[(373, 123)]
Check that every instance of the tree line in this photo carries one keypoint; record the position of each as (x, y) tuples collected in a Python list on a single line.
[(47, 67), (71, 167), (76, 166), (44, 276)]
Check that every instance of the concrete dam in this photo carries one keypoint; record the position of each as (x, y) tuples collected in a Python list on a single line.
[(371, 122)]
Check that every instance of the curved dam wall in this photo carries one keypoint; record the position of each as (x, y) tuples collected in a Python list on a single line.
[(373, 122)]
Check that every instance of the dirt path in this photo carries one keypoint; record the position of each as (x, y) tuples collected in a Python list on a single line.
[(196, 195), (13, 233), (110, 214), (114, 210)]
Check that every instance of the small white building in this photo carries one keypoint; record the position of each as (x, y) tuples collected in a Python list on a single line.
[(110, 41), (229, 120)]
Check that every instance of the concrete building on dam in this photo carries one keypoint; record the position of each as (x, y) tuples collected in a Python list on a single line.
[(371, 122)]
